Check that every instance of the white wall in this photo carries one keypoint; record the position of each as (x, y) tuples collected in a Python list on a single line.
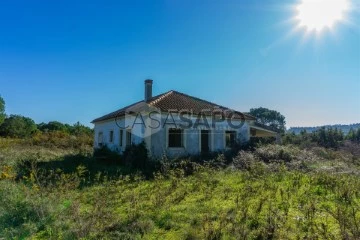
[(157, 139)]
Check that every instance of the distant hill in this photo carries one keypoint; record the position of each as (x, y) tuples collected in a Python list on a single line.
[(344, 128)]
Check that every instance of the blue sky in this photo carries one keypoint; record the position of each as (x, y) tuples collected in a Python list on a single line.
[(77, 60)]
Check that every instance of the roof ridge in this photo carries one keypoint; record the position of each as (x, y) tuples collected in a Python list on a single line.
[(160, 102), (160, 97)]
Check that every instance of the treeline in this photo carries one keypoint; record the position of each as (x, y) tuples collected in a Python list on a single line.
[(17, 126), (76, 129), (325, 137), (345, 128), (51, 134)]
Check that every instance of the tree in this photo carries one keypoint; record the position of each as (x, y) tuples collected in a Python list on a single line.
[(2, 110), (269, 117), (17, 126), (52, 126), (354, 135), (328, 137), (79, 129)]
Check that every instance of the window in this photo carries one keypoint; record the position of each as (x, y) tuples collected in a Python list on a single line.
[(230, 138), (175, 137), (121, 137), (128, 137), (111, 136), (100, 139)]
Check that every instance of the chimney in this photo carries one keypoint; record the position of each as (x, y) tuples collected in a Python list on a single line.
[(148, 89)]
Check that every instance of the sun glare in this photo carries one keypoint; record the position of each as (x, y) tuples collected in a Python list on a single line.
[(321, 14)]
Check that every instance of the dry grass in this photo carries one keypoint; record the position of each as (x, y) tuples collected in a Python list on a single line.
[(274, 192)]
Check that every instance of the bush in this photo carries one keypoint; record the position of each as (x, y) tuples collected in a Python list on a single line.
[(22, 213), (61, 139), (270, 153), (67, 196), (106, 154), (136, 156), (244, 160)]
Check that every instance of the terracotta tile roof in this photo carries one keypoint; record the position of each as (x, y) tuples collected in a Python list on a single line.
[(175, 101)]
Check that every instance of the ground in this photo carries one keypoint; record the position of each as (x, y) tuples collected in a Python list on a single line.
[(273, 192)]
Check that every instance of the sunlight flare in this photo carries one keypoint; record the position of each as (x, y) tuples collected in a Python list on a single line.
[(321, 14)]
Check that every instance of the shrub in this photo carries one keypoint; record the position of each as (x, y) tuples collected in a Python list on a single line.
[(270, 153), (106, 154), (22, 213), (186, 166), (136, 155), (185, 201), (61, 139), (249, 162), (244, 160)]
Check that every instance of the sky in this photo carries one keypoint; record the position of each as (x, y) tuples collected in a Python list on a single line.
[(77, 60)]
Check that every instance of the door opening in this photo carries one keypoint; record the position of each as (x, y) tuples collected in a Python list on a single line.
[(205, 141)]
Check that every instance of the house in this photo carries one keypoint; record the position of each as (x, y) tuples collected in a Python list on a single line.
[(176, 124)]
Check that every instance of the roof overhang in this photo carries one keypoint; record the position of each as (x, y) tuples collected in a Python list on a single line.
[(258, 131)]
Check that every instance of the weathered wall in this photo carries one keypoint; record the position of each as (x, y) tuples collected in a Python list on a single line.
[(157, 138), (105, 127)]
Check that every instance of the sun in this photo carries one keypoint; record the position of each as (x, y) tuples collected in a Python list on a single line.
[(317, 15)]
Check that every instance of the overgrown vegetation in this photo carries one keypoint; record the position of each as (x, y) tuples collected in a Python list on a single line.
[(271, 192), (325, 137), (52, 186)]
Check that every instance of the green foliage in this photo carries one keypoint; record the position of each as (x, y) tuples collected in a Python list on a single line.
[(249, 162), (79, 129), (61, 139), (353, 135), (210, 204), (331, 138), (18, 126), (22, 211), (55, 126), (269, 117), (325, 137), (2, 110), (107, 155), (269, 153), (49, 134), (136, 155), (56, 134), (273, 192), (345, 128)]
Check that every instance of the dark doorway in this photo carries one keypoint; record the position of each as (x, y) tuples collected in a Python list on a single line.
[(205, 141)]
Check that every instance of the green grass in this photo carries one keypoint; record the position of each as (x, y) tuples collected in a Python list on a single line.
[(281, 193)]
